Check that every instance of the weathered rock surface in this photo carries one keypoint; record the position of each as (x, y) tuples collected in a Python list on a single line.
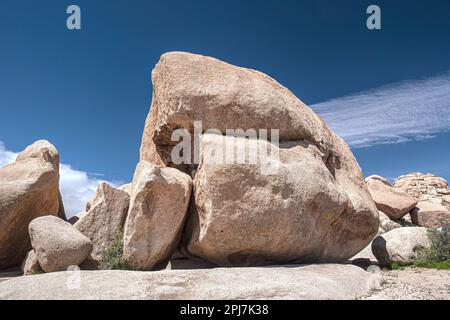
[(158, 206), (400, 245), (250, 214), (104, 219), (31, 264), (58, 244), (190, 88), (395, 203), (126, 187), (28, 189), (430, 214), (419, 185), (289, 282)]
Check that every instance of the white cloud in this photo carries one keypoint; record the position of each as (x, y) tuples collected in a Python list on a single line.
[(6, 156), (409, 110), (76, 186)]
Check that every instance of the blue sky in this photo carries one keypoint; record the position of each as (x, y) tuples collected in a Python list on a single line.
[(89, 91)]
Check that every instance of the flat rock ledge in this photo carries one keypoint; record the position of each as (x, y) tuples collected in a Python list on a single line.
[(311, 282)]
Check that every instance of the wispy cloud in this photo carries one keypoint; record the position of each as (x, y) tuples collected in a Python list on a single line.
[(76, 186), (400, 112)]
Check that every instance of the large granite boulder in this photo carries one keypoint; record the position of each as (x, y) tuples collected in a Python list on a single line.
[(57, 244), (158, 206), (29, 188), (104, 219), (328, 202), (245, 215)]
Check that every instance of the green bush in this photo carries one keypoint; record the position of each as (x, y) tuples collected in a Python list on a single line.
[(113, 259), (438, 255)]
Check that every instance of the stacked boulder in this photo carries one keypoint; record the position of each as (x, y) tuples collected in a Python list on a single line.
[(29, 188), (315, 208), (433, 196)]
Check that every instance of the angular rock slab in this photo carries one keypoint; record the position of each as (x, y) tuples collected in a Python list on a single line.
[(158, 207), (104, 219), (326, 282), (254, 214), (29, 188), (400, 245), (58, 244), (395, 203)]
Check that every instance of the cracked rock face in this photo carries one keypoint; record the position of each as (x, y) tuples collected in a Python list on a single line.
[(104, 219), (29, 188), (319, 195)]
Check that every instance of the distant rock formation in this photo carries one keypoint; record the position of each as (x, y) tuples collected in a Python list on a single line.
[(433, 196)]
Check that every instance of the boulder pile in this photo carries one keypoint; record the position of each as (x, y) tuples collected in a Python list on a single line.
[(433, 196), (304, 199), (408, 209)]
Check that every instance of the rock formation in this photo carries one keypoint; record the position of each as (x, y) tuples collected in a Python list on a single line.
[(104, 219), (400, 245), (393, 202), (432, 194), (57, 244), (158, 207), (31, 264), (190, 88), (29, 188), (327, 282)]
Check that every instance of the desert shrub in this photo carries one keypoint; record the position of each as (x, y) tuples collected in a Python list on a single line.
[(438, 255), (113, 258)]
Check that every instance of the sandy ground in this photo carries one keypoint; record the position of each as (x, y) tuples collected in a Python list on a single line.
[(413, 284)]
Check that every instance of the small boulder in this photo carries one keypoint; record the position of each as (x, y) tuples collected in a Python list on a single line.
[(58, 244), (31, 264), (105, 218), (400, 245), (158, 207), (395, 203)]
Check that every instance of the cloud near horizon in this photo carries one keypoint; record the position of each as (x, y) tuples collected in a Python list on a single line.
[(395, 113), (76, 186)]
